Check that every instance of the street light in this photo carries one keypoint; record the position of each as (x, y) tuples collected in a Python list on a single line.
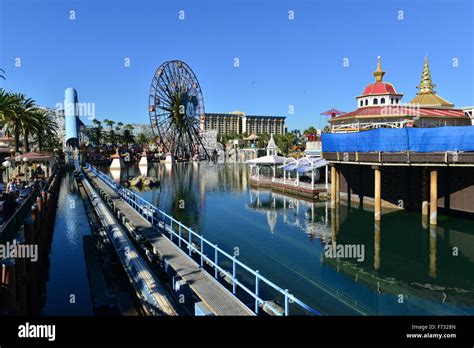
[(25, 159), (7, 165)]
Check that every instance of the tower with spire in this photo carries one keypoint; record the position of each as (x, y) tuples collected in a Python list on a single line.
[(380, 105), (426, 95), (378, 74)]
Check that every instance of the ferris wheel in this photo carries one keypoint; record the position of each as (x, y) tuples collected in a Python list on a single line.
[(175, 106)]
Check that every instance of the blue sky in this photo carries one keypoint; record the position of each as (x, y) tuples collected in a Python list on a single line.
[(282, 62)]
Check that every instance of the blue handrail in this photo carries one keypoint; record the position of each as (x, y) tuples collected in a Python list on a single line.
[(152, 213)]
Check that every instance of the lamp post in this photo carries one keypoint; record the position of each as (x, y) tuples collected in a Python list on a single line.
[(25, 160), (7, 165)]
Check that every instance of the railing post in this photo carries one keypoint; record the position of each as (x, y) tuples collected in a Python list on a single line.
[(179, 240), (202, 251), (190, 241), (234, 276), (287, 309), (215, 261), (171, 230), (256, 291)]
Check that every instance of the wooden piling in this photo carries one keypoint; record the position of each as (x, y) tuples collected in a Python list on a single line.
[(424, 187), (377, 245), (333, 187), (433, 197), (432, 270), (377, 194)]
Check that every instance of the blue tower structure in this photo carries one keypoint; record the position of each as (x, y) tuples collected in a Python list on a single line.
[(71, 119)]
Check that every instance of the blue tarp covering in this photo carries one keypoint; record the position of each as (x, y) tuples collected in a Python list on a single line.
[(439, 139)]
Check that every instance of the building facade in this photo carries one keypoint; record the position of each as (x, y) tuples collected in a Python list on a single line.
[(380, 106), (237, 122)]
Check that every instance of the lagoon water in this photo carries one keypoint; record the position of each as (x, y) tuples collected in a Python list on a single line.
[(406, 268)]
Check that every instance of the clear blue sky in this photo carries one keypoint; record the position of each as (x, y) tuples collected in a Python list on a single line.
[(282, 62)]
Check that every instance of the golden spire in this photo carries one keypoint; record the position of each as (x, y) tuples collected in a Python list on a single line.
[(426, 86), (378, 73)]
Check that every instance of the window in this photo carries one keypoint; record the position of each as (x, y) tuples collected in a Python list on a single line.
[(366, 102), (382, 101), (375, 101), (391, 100), (361, 103)]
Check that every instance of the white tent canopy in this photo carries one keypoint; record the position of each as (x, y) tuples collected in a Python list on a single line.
[(267, 160)]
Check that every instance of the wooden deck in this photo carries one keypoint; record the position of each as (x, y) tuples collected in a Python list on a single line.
[(302, 189), (463, 159), (212, 293)]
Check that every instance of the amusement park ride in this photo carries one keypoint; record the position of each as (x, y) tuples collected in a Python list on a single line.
[(175, 105)]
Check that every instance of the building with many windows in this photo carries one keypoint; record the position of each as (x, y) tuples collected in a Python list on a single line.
[(238, 122)]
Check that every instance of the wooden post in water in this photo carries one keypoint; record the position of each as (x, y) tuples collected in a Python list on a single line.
[(333, 187), (377, 245), (338, 191), (377, 193), (432, 270), (433, 197), (424, 188), (8, 286)]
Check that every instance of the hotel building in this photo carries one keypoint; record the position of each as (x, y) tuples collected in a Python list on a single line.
[(238, 122)]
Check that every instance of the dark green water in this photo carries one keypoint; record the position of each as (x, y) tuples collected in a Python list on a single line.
[(406, 269)]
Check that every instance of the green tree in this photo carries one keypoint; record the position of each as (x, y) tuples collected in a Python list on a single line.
[(45, 130), (8, 101), (97, 132), (285, 142), (310, 130), (142, 139), (21, 120)]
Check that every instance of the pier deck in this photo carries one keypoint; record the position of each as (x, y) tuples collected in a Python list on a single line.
[(213, 294)]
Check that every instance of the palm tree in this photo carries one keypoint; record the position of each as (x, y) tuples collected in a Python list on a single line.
[(2, 74), (111, 133), (46, 127), (17, 116), (7, 103), (142, 139), (97, 132), (310, 130), (25, 122)]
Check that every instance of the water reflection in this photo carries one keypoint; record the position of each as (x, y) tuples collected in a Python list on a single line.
[(285, 238)]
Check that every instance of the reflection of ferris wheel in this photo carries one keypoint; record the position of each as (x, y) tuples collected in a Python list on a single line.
[(175, 105)]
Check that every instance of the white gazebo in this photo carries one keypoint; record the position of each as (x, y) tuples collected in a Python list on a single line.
[(270, 160), (304, 165)]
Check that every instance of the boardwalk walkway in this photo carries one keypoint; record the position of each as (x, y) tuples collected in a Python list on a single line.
[(219, 300)]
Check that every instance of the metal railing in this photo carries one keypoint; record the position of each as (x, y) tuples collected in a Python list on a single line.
[(185, 235)]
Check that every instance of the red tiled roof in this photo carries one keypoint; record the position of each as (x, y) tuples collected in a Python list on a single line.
[(379, 88), (402, 110)]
